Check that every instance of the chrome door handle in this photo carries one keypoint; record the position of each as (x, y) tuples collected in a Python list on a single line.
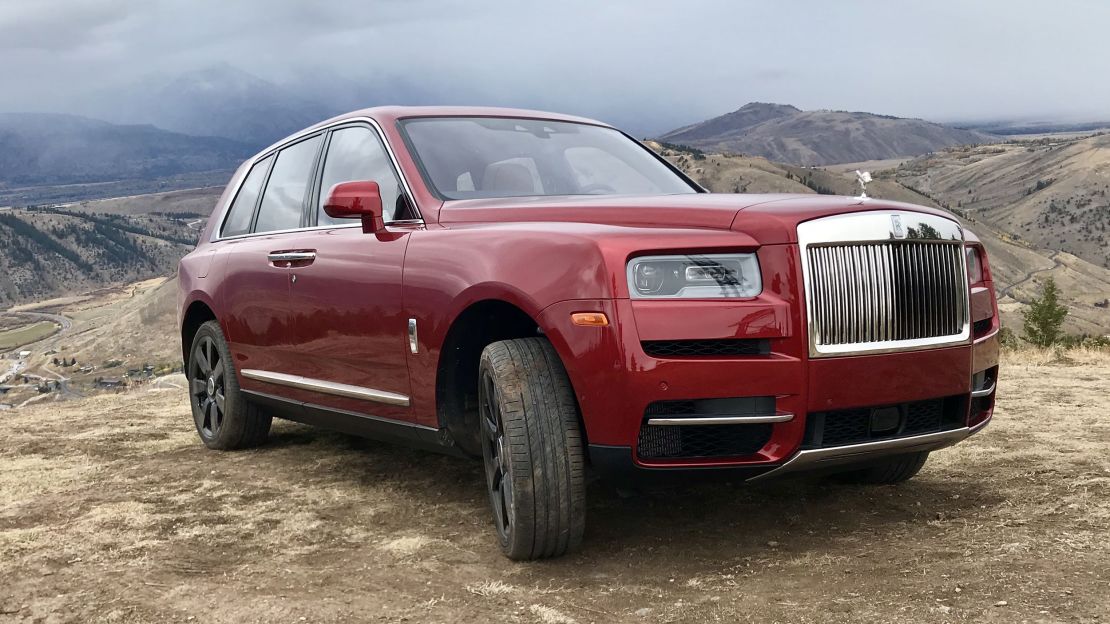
[(292, 256)]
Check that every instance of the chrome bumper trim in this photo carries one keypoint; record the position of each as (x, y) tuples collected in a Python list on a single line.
[(327, 387), (721, 420), (978, 394), (838, 455), (979, 427)]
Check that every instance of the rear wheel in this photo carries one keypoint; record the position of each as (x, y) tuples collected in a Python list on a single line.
[(531, 448), (224, 418), (888, 472)]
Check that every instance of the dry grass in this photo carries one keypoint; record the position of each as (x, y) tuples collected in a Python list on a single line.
[(1036, 356), (19, 336), (110, 510)]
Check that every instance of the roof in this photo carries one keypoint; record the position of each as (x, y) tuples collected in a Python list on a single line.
[(392, 113), (387, 115)]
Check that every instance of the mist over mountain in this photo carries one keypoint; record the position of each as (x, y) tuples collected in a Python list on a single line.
[(787, 134), (219, 100), (51, 149)]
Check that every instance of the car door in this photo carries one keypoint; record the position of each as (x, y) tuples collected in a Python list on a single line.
[(349, 329), (254, 294)]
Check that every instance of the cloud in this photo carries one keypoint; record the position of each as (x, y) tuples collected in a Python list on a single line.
[(56, 26), (653, 63)]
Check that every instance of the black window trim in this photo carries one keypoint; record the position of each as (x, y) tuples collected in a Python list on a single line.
[(295, 138), (266, 184), (257, 200), (314, 201)]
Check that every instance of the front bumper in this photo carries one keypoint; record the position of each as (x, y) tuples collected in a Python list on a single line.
[(616, 380), (617, 464)]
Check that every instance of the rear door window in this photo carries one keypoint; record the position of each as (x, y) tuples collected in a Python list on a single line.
[(357, 154), (283, 201), (242, 209)]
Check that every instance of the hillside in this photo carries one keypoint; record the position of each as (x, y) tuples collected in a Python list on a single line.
[(1052, 192), (193, 203), (786, 134), (94, 244), (1018, 266), (53, 252), (49, 149)]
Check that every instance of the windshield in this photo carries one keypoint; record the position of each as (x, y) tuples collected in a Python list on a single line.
[(483, 157)]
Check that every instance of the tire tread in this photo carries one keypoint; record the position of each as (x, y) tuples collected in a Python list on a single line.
[(540, 418)]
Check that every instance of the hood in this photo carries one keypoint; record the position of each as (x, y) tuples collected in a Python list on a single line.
[(770, 219)]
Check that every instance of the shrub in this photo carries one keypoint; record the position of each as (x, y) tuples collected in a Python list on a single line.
[(1044, 318)]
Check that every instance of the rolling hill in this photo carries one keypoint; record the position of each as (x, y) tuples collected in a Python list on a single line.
[(787, 134), (94, 244), (1019, 265), (53, 252), (1053, 192)]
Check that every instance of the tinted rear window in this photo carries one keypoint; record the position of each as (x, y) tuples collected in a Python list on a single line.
[(242, 209), (283, 201)]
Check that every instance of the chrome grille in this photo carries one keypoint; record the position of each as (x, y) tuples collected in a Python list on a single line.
[(898, 293)]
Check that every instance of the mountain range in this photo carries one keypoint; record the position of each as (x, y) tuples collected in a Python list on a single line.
[(785, 133), (52, 149)]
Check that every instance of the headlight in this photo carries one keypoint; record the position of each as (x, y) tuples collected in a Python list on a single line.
[(974, 265), (711, 276)]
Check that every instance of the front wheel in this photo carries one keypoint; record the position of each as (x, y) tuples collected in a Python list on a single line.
[(224, 418), (532, 449)]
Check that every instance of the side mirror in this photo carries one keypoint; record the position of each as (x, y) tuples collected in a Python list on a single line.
[(357, 200)]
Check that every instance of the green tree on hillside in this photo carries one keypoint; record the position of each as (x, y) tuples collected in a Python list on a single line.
[(1044, 318)]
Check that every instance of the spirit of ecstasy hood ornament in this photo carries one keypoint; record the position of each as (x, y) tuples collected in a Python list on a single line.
[(864, 177)]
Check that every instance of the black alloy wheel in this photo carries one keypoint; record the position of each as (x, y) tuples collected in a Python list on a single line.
[(499, 482), (206, 382), (224, 417)]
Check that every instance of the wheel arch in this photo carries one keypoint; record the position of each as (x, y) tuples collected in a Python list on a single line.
[(196, 314), (481, 322)]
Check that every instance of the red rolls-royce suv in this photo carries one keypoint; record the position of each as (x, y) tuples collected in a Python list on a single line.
[(548, 294)]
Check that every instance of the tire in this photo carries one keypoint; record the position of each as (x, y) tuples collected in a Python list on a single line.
[(224, 418), (532, 449), (891, 471)]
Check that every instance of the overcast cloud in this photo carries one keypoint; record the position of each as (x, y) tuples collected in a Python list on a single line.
[(662, 63)]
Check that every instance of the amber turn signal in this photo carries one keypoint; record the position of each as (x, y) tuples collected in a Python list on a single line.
[(590, 319)]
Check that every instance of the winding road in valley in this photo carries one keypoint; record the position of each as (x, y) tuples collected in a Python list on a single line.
[(1005, 292)]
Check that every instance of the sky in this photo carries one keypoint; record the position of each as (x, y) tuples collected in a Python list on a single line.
[(648, 62)]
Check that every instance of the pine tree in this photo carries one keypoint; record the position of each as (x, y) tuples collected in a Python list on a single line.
[(1044, 318)]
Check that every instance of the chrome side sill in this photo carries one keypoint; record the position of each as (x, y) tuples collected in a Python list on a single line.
[(327, 387), (837, 455), (722, 420), (983, 393)]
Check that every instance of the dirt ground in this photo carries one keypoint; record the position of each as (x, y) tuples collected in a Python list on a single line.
[(111, 510)]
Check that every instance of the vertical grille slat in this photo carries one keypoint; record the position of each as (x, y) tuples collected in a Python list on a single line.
[(886, 291)]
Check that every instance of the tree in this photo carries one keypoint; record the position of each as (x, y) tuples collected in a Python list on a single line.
[(1044, 318)]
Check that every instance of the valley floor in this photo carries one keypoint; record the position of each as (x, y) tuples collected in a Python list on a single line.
[(111, 510)]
